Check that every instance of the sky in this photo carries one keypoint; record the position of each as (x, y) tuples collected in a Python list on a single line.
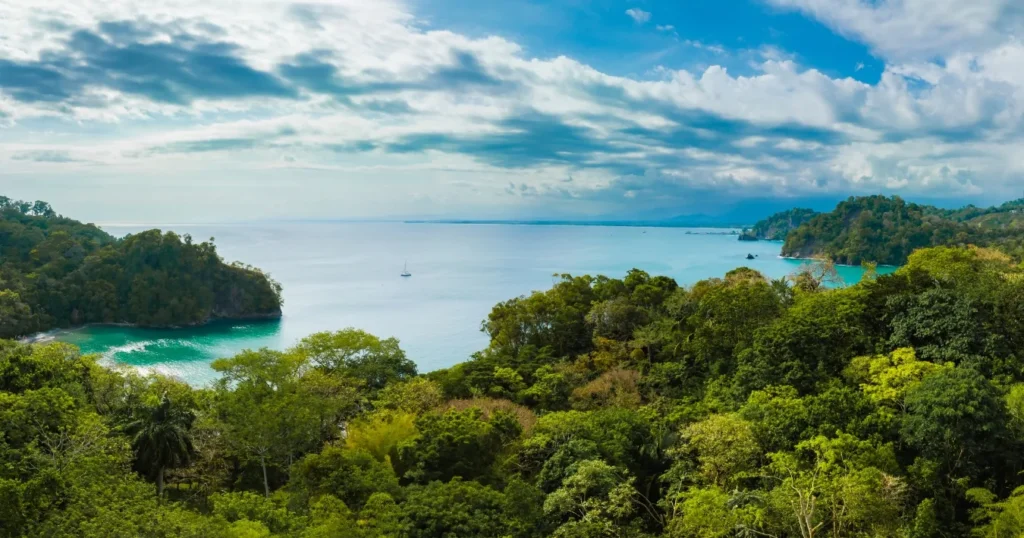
[(215, 110)]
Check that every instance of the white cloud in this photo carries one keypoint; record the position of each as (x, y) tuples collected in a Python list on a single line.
[(917, 29), (374, 109), (638, 15)]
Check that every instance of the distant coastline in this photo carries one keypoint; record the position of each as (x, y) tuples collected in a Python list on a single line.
[(728, 229)]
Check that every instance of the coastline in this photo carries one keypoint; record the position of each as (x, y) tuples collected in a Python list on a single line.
[(798, 258), (49, 334), (810, 259), (734, 229)]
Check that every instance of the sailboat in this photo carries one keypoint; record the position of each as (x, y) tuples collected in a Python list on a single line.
[(405, 270)]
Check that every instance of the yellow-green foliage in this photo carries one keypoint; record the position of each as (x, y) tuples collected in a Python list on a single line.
[(380, 432), (725, 446), (413, 396), (998, 519), (886, 379)]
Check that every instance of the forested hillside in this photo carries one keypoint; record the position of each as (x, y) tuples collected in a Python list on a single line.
[(58, 272), (738, 406), (777, 226), (886, 230)]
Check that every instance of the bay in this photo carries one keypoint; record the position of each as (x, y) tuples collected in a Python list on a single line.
[(340, 274)]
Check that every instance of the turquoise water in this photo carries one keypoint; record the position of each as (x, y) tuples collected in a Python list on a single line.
[(338, 275)]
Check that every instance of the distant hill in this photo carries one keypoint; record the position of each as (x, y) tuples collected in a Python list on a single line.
[(777, 226), (58, 272), (886, 230)]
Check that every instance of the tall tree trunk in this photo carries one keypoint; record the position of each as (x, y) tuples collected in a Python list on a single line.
[(266, 486), (160, 483)]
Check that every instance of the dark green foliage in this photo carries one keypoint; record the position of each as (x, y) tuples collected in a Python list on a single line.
[(810, 343), (351, 475), (161, 439), (455, 443), (57, 272), (551, 319), (942, 325), (455, 508), (957, 418), (886, 230)]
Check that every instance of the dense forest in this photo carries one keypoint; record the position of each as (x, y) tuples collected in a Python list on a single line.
[(58, 272), (885, 230), (634, 407), (777, 226)]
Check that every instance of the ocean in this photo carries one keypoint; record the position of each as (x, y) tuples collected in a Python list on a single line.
[(340, 274)]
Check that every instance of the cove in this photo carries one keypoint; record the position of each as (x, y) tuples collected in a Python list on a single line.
[(338, 275)]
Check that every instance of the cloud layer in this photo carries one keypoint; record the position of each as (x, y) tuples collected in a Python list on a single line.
[(435, 122)]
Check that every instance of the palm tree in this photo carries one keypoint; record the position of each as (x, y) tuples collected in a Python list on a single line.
[(161, 439)]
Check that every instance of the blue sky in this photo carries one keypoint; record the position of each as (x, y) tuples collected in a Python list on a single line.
[(188, 110), (691, 34)]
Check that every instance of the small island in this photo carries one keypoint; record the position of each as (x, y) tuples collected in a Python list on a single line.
[(56, 272)]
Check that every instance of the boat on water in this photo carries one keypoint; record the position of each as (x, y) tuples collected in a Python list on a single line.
[(405, 270)]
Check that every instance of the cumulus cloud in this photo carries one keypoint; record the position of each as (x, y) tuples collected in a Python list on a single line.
[(359, 90), (639, 16), (918, 29)]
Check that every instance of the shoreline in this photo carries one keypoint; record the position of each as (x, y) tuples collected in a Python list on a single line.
[(804, 258), (733, 229), (797, 258), (49, 334)]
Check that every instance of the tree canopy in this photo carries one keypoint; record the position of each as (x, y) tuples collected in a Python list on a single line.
[(601, 407), (58, 272), (886, 230)]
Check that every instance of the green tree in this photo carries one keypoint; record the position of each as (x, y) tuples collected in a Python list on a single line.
[(274, 409), (711, 512), (455, 443), (416, 395), (886, 379), (454, 508), (725, 446), (838, 487), (727, 316), (994, 518), (350, 476), (15, 314), (596, 497), (381, 433), (353, 352), (161, 439), (955, 417), (811, 342)]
